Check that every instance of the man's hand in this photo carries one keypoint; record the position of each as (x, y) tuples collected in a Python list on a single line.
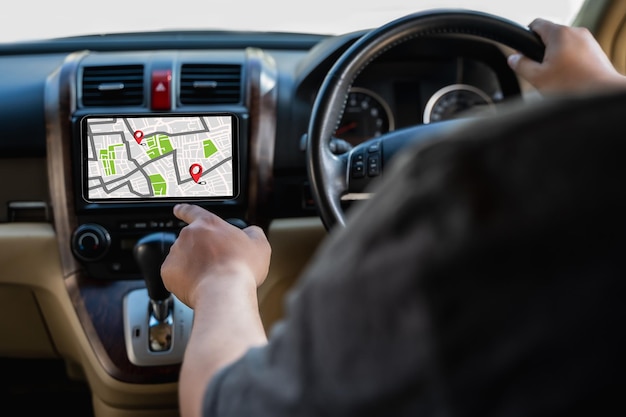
[(211, 251), (215, 268), (573, 61)]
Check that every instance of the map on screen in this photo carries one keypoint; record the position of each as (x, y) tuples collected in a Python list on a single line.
[(159, 157)]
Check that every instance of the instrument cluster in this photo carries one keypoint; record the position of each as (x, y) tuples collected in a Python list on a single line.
[(391, 95)]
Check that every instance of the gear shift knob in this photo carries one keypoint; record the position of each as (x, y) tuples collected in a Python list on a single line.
[(150, 252)]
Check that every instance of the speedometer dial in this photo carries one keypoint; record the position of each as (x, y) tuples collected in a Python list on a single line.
[(452, 100), (366, 115)]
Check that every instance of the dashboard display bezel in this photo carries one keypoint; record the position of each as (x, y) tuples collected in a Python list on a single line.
[(82, 172)]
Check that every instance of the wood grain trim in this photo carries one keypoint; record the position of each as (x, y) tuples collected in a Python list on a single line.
[(262, 98), (60, 103)]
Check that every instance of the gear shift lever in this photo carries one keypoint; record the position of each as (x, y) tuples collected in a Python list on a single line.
[(157, 325), (150, 252)]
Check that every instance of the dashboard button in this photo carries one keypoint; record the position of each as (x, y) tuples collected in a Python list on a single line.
[(161, 81)]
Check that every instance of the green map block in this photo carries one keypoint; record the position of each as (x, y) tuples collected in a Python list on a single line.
[(107, 164), (209, 148), (107, 156), (159, 186), (158, 145)]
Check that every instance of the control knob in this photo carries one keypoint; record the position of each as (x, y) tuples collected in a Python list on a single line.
[(90, 242)]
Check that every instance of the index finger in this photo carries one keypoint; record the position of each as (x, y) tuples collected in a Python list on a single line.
[(190, 212)]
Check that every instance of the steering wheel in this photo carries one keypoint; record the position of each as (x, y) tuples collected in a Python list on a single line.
[(333, 177)]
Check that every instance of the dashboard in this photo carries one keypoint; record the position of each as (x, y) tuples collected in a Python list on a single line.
[(147, 130), (145, 100)]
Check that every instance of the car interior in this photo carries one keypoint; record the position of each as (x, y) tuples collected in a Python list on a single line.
[(103, 134)]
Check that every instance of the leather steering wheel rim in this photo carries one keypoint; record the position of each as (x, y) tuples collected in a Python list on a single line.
[(327, 171)]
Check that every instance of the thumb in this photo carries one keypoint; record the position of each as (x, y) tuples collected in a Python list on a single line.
[(523, 66)]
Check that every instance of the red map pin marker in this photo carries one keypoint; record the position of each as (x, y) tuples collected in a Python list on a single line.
[(196, 172), (138, 136)]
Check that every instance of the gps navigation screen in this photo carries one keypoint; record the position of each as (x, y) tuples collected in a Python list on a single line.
[(159, 157)]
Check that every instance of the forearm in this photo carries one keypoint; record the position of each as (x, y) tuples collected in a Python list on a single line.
[(226, 325)]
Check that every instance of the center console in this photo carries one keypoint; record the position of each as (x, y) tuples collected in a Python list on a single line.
[(130, 135)]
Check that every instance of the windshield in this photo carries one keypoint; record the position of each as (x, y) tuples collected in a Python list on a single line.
[(83, 17)]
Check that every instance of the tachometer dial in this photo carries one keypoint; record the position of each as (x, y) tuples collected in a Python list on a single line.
[(452, 100), (366, 115)]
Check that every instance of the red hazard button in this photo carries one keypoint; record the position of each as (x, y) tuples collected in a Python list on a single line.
[(161, 81)]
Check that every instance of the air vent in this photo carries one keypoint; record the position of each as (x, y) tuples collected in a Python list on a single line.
[(210, 84), (113, 85)]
